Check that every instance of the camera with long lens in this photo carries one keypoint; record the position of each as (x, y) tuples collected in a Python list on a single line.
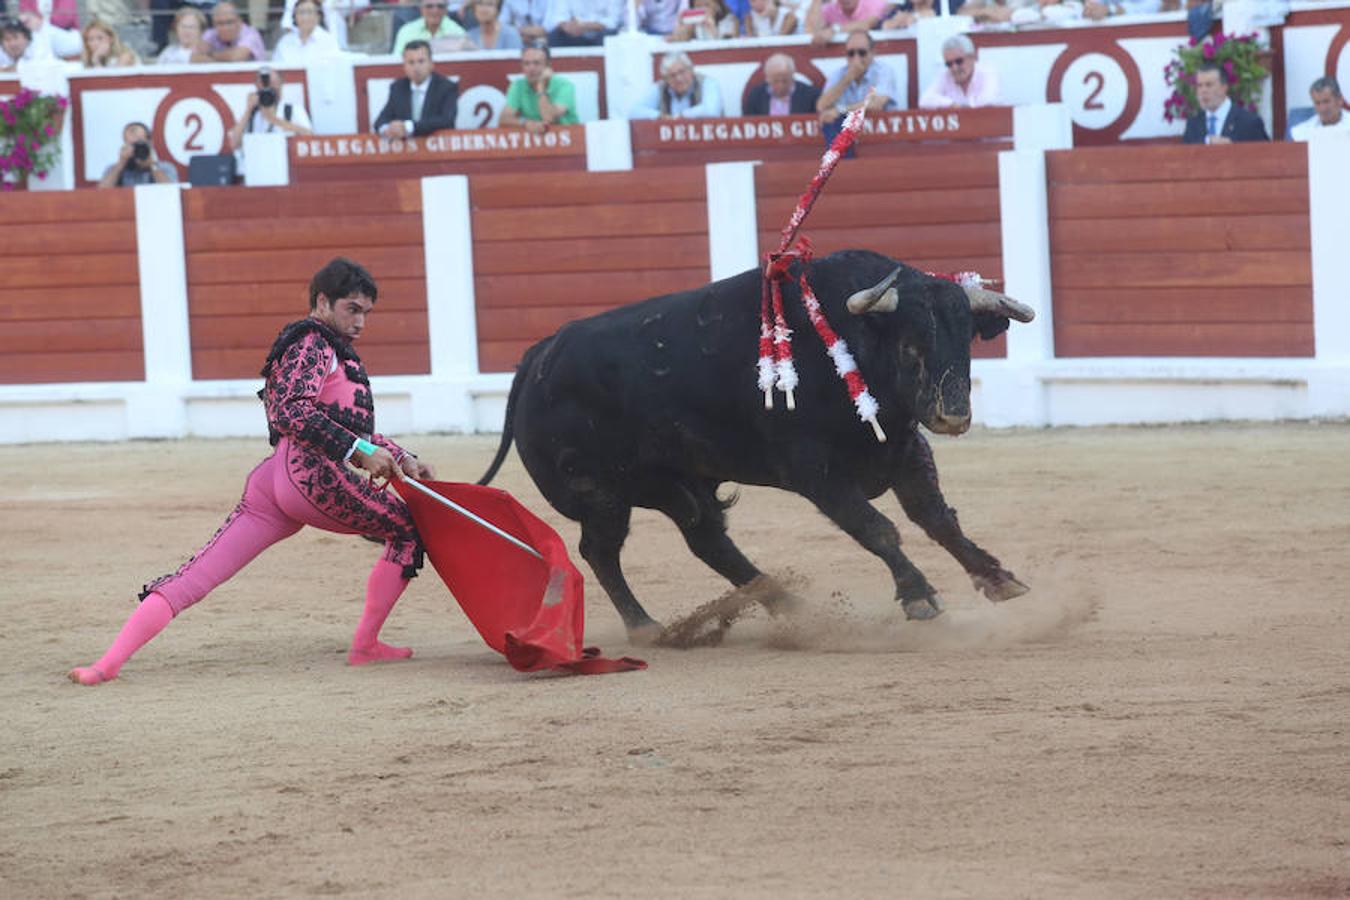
[(267, 95), (140, 151)]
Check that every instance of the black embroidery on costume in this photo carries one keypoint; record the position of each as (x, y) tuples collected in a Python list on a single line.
[(295, 372)]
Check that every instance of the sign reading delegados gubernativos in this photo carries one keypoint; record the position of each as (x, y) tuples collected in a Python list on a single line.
[(557, 141), (899, 126)]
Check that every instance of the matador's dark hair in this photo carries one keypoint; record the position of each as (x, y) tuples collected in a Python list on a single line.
[(341, 278)]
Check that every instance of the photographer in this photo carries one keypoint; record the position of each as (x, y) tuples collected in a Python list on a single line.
[(267, 112), (136, 162)]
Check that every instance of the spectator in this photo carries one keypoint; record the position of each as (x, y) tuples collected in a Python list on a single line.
[(266, 112), (540, 99), (847, 88), (103, 49), (422, 102), (966, 82), (1220, 120), (583, 23), (781, 94), (706, 20), (136, 161), (843, 17), (63, 14), (680, 94), (189, 25), (16, 46), (307, 39), (527, 17), (768, 18), (436, 28), (50, 41), (906, 14), (1330, 118), (333, 20), (490, 32), (659, 17), (231, 40)]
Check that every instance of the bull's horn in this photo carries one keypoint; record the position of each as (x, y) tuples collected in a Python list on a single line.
[(881, 297), (999, 304)]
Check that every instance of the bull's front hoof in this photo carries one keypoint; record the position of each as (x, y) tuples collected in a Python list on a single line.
[(1000, 587), (648, 635), (922, 608)]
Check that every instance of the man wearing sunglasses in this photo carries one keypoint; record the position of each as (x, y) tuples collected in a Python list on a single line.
[(964, 82), (847, 88), (434, 27)]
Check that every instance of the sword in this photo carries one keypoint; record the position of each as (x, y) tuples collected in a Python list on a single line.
[(446, 501)]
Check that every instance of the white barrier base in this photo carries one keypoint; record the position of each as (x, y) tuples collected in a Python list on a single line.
[(1062, 392)]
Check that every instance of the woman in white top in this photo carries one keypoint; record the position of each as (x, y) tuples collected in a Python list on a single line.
[(335, 14), (188, 27), (307, 40), (770, 17)]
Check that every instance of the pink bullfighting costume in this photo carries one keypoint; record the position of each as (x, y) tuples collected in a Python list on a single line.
[(318, 404)]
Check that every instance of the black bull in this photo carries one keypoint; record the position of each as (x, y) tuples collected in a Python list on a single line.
[(656, 404)]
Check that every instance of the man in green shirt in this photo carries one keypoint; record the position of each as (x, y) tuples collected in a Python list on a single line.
[(540, 99), (435, 27)]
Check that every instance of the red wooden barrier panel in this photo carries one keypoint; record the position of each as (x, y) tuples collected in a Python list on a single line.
[(1181, 251), (71, 306), (547, 251), (251, 254), (941, 214)]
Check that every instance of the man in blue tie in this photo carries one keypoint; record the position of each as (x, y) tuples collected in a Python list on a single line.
[(1220, 120)]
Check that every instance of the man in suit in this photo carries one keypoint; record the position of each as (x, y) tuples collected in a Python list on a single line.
[(780, 93), (423, 102), (1220, 120)]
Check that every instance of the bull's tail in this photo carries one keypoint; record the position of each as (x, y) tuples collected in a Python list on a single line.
[(508, 429)]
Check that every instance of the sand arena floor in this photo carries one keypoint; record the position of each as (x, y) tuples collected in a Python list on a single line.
[(1167, 713)]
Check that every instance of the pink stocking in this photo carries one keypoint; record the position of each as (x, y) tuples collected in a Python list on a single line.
[(148, 620), (383, 588)]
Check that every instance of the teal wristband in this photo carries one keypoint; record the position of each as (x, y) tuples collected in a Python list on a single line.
[(366, 446)]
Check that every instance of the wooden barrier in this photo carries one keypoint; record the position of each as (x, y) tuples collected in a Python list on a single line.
[(359, 157), (940, 215), (1181, 251), (71, 306), (547, 251), (669, 142), (251, 254)]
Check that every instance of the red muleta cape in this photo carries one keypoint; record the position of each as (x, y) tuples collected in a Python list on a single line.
[(530, 610)]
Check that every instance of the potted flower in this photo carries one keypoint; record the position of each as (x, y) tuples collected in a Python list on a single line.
[(1242, 59), (30, 125)]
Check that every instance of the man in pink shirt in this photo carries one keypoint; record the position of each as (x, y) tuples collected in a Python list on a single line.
[(966, 82), (842, 17)]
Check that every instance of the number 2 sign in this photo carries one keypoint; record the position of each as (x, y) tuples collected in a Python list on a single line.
[(1101, 89), (189, 125)]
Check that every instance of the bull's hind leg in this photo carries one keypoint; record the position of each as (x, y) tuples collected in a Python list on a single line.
[(603, 531), (846, 506), (916, 486), (701, 518)]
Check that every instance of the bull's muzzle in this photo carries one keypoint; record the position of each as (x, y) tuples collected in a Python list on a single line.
[(951, 414)]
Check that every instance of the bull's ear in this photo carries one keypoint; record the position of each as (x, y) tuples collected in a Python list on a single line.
[(989, 325)]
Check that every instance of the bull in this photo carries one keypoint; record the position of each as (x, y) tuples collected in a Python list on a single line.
[(656, 405)]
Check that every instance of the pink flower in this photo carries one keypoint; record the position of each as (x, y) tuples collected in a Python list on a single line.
[(1228, 70), (8, 186), (49, 131), (41, 174), (1209, 51)]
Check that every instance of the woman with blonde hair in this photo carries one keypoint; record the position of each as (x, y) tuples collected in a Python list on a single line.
[(104, 49), (188, 27)]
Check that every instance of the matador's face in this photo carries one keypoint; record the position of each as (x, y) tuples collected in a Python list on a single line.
[(346, 315)]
